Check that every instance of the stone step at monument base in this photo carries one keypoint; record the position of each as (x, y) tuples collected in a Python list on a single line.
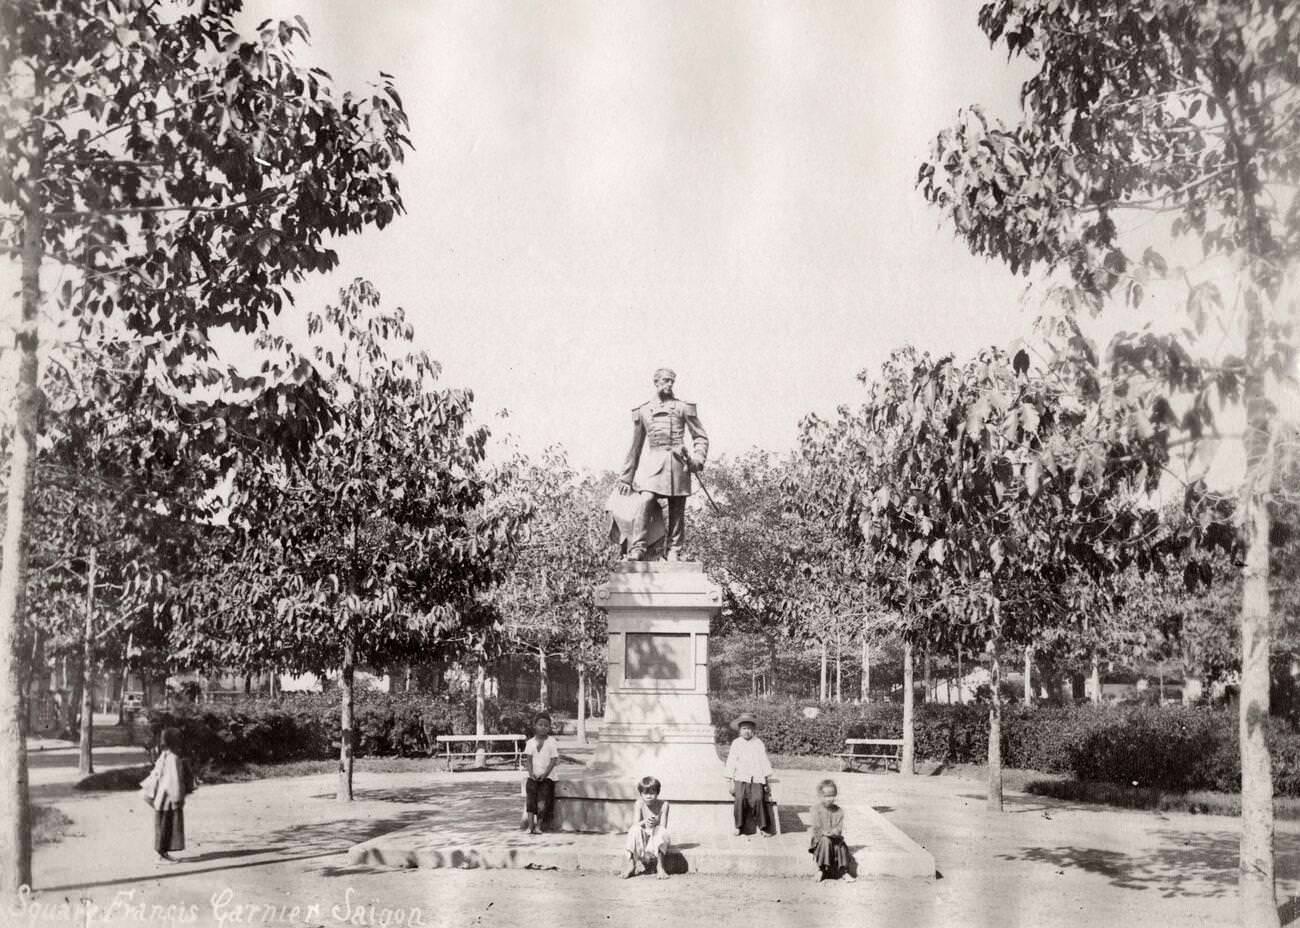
[(603, 799), (879, 848)]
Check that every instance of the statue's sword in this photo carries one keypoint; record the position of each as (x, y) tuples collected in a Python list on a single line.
[(686, 459)]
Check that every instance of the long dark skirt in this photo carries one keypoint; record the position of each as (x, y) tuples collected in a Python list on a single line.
[(168, 830), (832, 855), (750, 809)]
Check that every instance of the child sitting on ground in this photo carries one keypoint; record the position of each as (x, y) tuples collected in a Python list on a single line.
[(541, 755), (827, 845), (647, 839)]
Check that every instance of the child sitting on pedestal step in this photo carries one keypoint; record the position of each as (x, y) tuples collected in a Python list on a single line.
[(647, 839), (748, 768), (827, 843), (541, 755)]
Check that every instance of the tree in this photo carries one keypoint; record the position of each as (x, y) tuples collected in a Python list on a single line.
[(785, 577), (547, 602), (183, 178), (989, 503), (122, 477), (1185, 112), (380, 545)]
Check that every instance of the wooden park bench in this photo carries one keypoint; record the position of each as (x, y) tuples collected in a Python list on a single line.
[(872, 750), (469, 745)]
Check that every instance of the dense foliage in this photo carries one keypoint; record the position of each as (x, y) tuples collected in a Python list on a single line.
[(306, 726), (180, 177), (1171, 747), (1177, 117)]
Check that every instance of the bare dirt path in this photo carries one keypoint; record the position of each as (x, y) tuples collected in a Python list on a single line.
[(281, 843)]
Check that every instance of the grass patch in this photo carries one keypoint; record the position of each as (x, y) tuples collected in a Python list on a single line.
[(118, 779), (1200, 802), (49, 825), (243, 773), (1118, 795), (804, 762), (115, 779)]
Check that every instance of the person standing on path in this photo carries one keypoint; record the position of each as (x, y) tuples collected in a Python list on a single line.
[(748, 768), (175, 783)]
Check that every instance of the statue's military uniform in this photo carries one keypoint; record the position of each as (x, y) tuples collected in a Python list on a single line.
[(656, 464), (659, 433)]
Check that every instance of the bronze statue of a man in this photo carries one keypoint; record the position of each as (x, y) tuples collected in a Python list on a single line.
[(659, 465)]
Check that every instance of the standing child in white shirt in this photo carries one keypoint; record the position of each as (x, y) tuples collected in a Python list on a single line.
[(748, 769), (541, 755)]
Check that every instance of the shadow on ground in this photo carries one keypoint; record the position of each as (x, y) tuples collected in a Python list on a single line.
[(335, 829), (791, 819), (1186, 864)]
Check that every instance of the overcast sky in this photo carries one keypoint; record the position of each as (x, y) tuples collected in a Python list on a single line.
[(598, 189)]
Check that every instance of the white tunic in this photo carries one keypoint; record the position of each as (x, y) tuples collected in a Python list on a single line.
[(747, 761)]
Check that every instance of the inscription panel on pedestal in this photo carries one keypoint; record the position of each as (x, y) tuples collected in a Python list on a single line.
[(657, 658)]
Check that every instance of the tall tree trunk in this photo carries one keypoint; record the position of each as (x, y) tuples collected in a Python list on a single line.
[(85, 756), (407, 687), (480, 712), (839, 669), (126, 685), (544, 680), (823, 693), (582, 703), (925, 671), (995, 729), (908, 765), (1094, 681), (72, 705), (771, 664), (1256, 873), (346, 735), (866, 669), (1029, 667), (582, 680), (15, 812), (29, 674), (1255, 882)]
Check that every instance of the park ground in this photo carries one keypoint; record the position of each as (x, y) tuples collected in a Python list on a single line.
[(274, 852)]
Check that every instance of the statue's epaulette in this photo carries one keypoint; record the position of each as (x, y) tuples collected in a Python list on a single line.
[(690, 407)]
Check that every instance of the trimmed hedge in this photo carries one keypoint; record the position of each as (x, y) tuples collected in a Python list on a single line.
[(1171, 747), (305, 726)]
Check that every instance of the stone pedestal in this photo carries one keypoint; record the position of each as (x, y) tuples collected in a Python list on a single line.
[(657, 720)]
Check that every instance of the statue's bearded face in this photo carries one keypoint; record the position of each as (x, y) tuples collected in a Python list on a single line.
[(664, 384)]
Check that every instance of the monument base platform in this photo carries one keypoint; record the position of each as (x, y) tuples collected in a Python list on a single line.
[(603, 799), (879, 848)]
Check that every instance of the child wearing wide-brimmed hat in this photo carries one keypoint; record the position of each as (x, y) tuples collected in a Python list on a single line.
[(748, 768)]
